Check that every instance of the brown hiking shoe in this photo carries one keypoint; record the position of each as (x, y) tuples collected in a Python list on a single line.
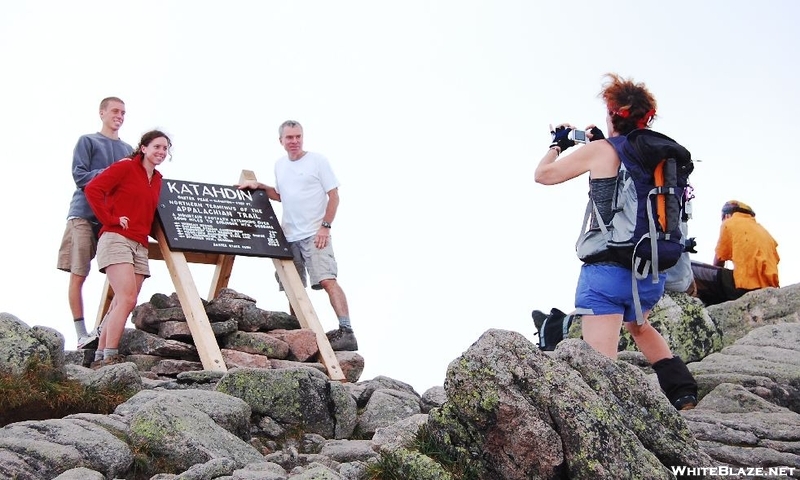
[(687, 402), (112, 360), (342, 339)]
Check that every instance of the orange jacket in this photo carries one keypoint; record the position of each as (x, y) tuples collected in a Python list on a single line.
[(752, 250)]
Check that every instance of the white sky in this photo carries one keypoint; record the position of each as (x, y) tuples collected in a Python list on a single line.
[(434, 115)]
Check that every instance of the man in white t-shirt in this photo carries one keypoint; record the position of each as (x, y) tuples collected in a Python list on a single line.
[(309, 191)]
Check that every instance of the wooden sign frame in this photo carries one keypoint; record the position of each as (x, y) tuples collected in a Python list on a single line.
[(192, 305)]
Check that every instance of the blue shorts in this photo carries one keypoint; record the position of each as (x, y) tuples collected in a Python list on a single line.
[(606, 289)]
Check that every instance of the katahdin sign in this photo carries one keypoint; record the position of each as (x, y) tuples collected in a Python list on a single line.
[(202, 217)]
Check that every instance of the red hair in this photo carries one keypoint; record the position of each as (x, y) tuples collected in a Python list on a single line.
[(630, 105)]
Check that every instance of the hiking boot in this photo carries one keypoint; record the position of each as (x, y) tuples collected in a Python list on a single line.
[(112, 360), (687, 402), (89, 341), (342, 339)]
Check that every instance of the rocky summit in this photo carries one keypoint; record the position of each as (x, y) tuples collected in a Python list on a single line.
[(506, 409)]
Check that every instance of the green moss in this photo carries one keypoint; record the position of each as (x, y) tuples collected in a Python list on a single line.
[(403, 464), (276, 394), (490, 401), (148, 430), (601, 414)]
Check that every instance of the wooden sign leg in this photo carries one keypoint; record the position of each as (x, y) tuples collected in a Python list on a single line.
[(192, 306), (221, 275), (105, 303), (304, 310)]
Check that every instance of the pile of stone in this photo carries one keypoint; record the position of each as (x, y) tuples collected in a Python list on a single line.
[(161, 344)]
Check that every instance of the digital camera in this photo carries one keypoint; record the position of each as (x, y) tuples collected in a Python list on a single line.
[(577, 136)]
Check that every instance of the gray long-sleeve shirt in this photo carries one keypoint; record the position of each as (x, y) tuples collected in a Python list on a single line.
[(93, 153)]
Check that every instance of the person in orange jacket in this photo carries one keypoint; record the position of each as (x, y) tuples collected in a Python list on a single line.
[(752, 250)]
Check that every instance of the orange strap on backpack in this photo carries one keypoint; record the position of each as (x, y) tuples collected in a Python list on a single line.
[(661, 201)]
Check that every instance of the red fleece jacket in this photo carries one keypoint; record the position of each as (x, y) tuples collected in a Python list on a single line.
[(123, 190)]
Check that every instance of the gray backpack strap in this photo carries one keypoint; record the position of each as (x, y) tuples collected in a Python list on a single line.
[(586, 214), (600, 221), (565, 324), (637, 302), (591, 207), (636, 262)]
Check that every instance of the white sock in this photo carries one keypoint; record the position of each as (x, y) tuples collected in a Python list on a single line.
[(80, 327), (110, 352)]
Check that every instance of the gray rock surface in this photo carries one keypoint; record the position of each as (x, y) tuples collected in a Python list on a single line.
[(432, 398), (765, 361), (386, 407), (540, 417), (19, 345), (174, 430), (505, 411), (45, 449), (230, 413), (297, 397), (768, 306)]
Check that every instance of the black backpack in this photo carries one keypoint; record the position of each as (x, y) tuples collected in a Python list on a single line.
[(551, 328)]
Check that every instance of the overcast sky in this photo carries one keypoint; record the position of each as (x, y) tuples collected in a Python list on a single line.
[(433, 114)]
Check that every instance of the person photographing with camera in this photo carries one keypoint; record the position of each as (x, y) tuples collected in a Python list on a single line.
[(606, 297)]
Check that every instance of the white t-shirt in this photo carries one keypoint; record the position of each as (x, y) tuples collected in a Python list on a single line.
[(303, 185)]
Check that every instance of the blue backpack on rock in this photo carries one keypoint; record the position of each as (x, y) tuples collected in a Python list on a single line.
[(648, 207)]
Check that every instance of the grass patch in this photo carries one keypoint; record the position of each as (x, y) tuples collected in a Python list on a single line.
[(400, 465), (458, 465), (146, 464), (388, 466), (43, 392)]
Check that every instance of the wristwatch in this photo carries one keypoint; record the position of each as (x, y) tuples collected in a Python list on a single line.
[(326, 224)]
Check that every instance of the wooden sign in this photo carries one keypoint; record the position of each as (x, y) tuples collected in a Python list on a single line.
[(203, 217), (194, 217)]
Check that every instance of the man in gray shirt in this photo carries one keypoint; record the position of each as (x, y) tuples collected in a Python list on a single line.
[(93, 153)]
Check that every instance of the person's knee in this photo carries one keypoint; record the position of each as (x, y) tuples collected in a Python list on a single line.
[(76, 281), (328, 284), (633, 328), (124, 302), (602, 333), (643, 335), (637, 330)]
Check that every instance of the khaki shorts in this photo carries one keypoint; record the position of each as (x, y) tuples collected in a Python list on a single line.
[(319, 263), (113, 248), (78, 247)]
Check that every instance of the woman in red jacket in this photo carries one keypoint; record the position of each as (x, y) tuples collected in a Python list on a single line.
[(124, 199)]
